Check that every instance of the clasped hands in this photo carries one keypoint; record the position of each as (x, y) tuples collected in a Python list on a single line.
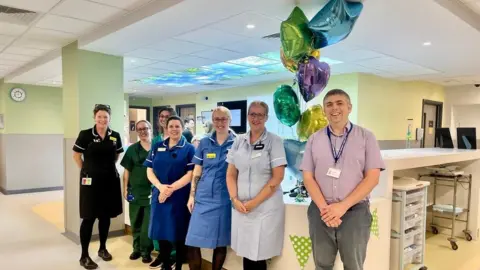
[(332, 214), (244, 207), (165, 192)]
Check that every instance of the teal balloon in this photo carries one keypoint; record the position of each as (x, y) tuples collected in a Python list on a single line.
[(294, 153), (334, 22), (286, 105)]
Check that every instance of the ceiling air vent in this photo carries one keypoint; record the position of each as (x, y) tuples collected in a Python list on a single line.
[(17, 16)]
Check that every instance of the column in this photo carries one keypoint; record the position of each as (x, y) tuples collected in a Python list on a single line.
[(89, 78)]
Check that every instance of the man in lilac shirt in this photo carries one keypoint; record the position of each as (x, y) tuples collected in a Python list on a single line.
[(341, 166)]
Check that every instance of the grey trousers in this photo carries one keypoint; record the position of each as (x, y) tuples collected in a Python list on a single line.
[(350, 238)]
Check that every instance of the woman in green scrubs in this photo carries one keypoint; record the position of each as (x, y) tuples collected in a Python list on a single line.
[(137, 190), (163, 115)]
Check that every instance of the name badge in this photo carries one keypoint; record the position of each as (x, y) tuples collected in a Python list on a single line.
[(335, 173), (113, 138), (211, 155), (86, 181), (161, 149), (257, 155), (259, 146)]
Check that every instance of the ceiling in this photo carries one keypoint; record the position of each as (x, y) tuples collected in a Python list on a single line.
[(393, 39)]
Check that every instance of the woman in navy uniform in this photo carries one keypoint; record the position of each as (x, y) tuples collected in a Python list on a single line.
[(170, 171), (100, 189), (209, 201)]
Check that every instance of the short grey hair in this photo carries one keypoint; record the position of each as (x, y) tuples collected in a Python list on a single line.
[(337, 92), (258, 103)]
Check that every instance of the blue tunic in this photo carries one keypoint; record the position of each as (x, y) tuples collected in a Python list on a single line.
[(210, 226), (169, 220)]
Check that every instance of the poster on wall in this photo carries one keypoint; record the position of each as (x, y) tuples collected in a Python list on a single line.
[(2, 125)]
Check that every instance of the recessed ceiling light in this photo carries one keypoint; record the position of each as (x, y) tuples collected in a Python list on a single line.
[(427, 43), (133, 61), (250, 26)]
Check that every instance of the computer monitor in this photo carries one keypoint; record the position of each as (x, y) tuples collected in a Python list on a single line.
[(466, 138), (443, 138)]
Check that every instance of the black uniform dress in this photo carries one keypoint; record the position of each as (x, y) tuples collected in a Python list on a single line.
[(102, 196)]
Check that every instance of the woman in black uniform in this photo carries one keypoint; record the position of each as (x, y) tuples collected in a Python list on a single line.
[(100, 191)]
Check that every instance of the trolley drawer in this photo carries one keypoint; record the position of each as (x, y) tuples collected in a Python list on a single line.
[(415, 196)]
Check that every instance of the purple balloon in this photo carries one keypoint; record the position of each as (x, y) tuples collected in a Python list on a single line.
[(312, 77)]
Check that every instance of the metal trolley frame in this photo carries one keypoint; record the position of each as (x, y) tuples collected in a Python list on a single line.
[(451, 181)]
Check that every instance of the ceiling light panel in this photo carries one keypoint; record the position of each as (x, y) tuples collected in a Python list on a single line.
[(87, 11)]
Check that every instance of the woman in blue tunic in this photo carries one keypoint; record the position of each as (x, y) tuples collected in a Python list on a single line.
[(209, 200), (169, 169)]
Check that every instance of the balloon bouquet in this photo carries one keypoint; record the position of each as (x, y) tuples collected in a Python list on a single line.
[(300, 53)]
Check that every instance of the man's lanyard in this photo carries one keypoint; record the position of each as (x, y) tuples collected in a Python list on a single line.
[(337, 155)]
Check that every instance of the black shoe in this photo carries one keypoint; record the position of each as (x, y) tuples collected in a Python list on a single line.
[(156, 264), (103, 253), (146, 259), (88, 263), (135, 255)]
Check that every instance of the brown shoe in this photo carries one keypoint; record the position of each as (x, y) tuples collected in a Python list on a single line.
[(104, 255)]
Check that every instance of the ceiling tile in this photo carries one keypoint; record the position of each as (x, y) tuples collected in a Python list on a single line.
[(263, 25), (11, 29), (25, 51), (133, 62), (36, 5), (169, 66), (88, 11), (193, 61), (11, 62), (178, 46), (4, 40), (37, 44), (47, 34), (349, 55), (153, 54), (211, 37), (254, 46), (220, 54), (124, 4), (65, 24), (16, 57)]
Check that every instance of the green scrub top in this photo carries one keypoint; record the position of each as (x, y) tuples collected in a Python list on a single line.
[(157, 138), (138, 182)]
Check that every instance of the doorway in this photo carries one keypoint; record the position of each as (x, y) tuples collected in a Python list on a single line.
[(188, 111), (135, 114), (431, 119)]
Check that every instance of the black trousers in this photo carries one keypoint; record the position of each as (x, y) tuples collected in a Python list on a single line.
[(254, 265)]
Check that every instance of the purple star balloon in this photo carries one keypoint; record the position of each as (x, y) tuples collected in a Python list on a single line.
[(312, 77)]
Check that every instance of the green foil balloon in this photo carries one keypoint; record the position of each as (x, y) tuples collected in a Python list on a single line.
[(295, 36), (312, 120), (286, 105)]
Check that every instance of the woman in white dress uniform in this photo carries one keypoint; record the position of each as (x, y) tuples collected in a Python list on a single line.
[(255, 171)]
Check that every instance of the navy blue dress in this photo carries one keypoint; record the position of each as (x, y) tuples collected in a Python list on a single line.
[(169, 220)]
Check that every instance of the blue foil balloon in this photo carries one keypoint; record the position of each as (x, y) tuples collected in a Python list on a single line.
[(294, 154), (334, 22)]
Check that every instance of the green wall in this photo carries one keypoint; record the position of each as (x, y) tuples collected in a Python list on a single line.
[(39, 113)]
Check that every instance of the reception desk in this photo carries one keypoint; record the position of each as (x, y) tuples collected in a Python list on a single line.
[(296, 252)]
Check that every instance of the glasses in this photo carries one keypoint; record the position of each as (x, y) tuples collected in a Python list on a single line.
[(142, 129), (259, 116), (219, 120)]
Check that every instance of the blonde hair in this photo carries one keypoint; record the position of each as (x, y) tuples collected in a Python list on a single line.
[(223, 110), (258, 103), (146, 122)]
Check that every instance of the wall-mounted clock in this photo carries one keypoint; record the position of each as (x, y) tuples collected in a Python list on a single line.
[(18, 94)]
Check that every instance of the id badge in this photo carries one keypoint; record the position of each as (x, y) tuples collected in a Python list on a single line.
[(211, 155), (257, 155), (86, 181), (161, 149), (333, 172)]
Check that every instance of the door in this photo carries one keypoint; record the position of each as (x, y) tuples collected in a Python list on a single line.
[(188, 111), (432, 119)]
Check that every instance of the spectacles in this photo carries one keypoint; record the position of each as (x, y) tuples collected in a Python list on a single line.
[(219, 120), (142, 129), (257, 115)]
